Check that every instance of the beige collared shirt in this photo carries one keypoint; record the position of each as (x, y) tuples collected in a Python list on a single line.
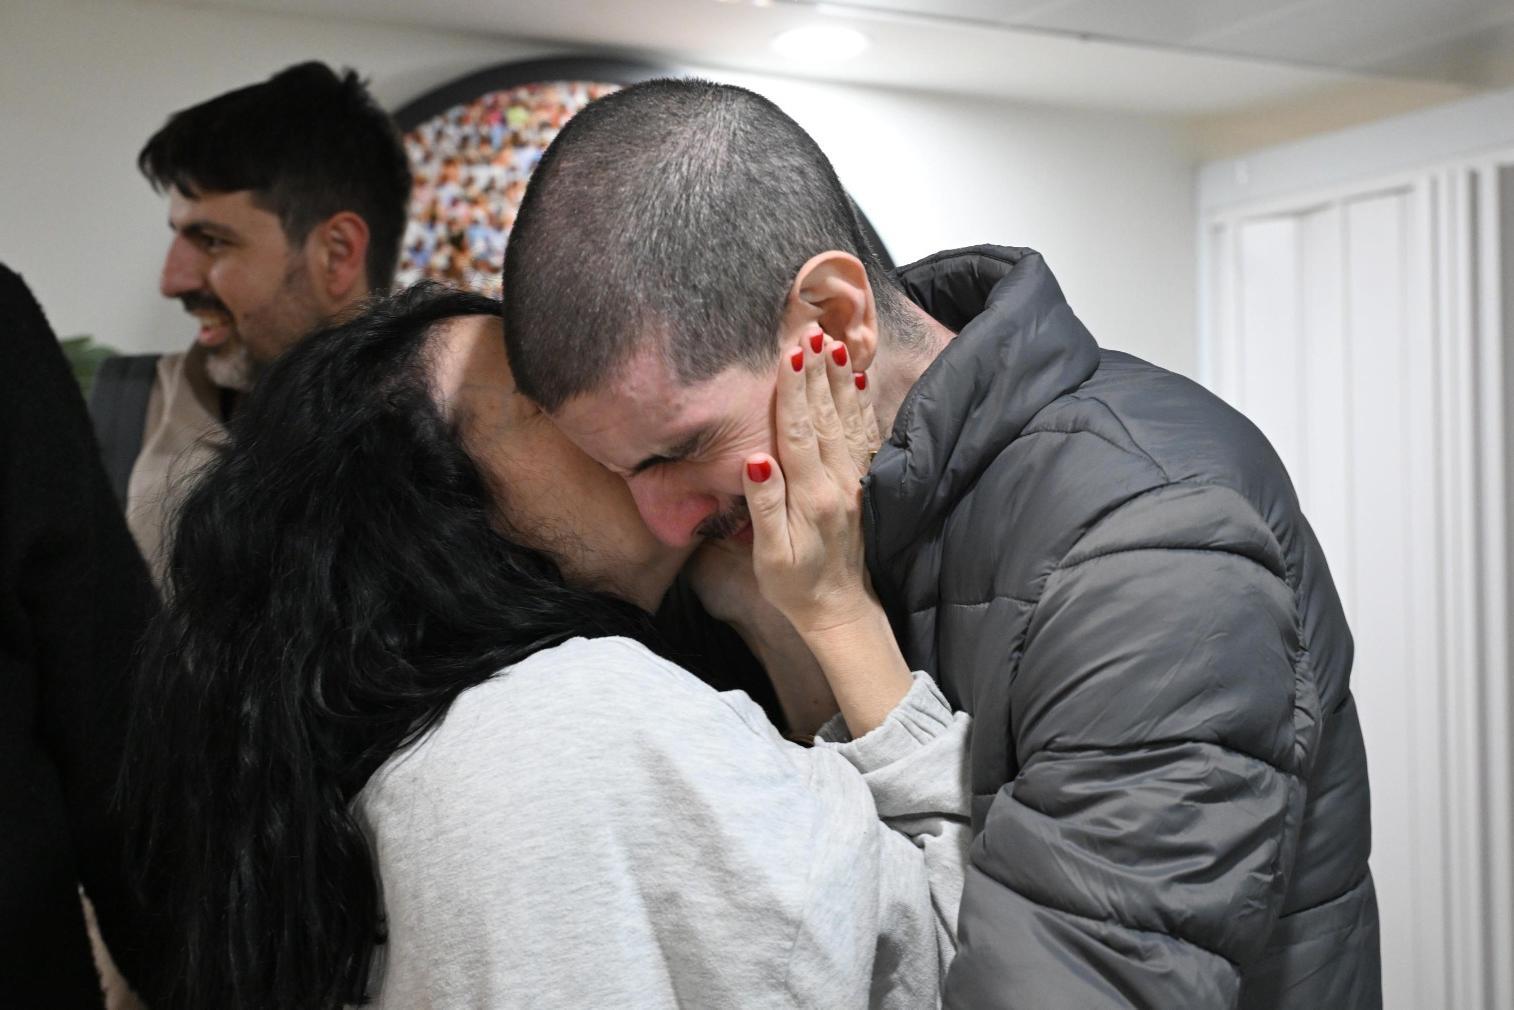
[(182, 424)]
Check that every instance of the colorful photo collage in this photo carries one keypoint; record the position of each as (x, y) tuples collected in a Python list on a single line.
[(470, 165)]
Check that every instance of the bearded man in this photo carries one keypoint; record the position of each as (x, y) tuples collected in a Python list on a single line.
[(287, 204)]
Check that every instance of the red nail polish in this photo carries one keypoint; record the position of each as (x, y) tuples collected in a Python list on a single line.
[(861, 379), (817, 341), (759, 471), (797, 360), (839, 354)]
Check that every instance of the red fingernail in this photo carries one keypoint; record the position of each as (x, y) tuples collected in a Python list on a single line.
[(839, 354), (797, 360), (861, 378), (817, 341), (759, 471)]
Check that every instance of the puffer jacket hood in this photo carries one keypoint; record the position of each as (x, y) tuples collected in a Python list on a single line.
[(1108, 567)]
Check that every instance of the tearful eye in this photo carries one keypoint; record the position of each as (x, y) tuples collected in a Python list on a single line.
[(651, 466)]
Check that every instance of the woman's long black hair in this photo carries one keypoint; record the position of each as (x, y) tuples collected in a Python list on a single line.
[(337, 577)]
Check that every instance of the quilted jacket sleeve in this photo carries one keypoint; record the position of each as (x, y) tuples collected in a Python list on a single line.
[(1163, 716)]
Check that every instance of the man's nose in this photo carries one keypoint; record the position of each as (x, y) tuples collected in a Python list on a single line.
[(182, 269), (672, 515)]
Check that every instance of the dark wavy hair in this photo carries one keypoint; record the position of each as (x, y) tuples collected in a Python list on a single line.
[(337, 577)]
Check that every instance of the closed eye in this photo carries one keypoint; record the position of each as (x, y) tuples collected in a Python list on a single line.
[(680, 452), (651, 463)]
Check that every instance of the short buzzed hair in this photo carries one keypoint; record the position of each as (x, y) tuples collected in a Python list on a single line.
[(308, 143), (677, 211)]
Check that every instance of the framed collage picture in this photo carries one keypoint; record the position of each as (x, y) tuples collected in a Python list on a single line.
[(472, 145)]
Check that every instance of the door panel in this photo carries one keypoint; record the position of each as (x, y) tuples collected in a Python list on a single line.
[(1330, 350)]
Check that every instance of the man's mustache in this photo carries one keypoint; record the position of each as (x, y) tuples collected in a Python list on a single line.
[(725, 524), (199, 301)]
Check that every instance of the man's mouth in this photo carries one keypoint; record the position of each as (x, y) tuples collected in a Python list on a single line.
[(214, 319), (213, 331)]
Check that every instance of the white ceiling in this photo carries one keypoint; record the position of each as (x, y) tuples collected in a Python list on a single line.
[(1375, 36), (1169, 57)]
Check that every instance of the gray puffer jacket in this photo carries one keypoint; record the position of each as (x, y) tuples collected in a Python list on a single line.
[(1109, 569)]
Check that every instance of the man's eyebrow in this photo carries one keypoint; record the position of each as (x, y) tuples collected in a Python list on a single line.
[(680, 451), (197, 228)]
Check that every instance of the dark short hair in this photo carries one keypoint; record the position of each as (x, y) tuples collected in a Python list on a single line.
[(676, 211), (307, 143)]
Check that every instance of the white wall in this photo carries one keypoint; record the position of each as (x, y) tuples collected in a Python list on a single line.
[(1107, 198)]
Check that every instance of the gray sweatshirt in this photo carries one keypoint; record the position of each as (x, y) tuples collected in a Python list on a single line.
[(595, 827)]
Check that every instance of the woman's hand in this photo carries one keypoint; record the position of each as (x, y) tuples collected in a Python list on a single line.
[(807, 547), (806, 504), (721, 574)]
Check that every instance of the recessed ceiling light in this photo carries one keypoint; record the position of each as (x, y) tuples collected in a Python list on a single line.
[(820, 43)]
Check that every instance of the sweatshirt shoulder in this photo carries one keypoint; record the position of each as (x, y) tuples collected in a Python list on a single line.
[(570, 717)]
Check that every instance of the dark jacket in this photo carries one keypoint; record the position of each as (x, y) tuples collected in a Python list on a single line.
[(74, 598), (1108, 567)]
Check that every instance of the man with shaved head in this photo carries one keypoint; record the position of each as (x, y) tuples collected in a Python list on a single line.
[(1103, 563)]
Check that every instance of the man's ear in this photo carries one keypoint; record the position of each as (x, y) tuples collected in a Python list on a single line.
[(339, 257), (832, 289)]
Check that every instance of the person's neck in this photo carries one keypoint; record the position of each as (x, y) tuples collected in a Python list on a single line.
[(896, 369), (347, 306)]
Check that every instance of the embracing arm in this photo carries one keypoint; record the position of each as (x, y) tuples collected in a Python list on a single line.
[(915, 766), (785, 678), (1163, 729), (807, 549)]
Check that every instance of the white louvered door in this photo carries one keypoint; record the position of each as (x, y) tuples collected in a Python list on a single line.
[(1363, 328)]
